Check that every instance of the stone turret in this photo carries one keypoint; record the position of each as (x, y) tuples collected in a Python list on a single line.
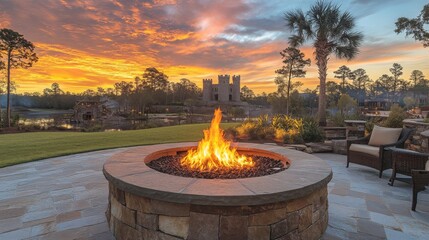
[(236, 88), (223, 88), (207, 90)]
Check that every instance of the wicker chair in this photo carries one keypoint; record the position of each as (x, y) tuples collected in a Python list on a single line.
[(410, 163), (383, 160), (403, 161), (420, 181)]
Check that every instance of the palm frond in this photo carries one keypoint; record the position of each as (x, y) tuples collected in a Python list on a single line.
[(296, 40), (348, 51), (344, 24), (297, 23)]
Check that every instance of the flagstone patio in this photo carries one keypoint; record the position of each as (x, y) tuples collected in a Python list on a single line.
[(66, 197)]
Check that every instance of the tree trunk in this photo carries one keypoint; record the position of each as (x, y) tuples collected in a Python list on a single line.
[(343, 90), (322, 63), (288, 89), (9, 52), (0, 113)]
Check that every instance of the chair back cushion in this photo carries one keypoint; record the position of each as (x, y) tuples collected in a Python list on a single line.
[(427, 165), (383, 136)]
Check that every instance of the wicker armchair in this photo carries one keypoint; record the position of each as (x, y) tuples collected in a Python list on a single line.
[(410, 163), (420, 180), (383, 160), (404, 161)]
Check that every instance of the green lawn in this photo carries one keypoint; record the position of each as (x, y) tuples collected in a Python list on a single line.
[(26, 147)]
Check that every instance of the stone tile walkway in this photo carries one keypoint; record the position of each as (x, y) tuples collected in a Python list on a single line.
[(65, 198), (363, 206)]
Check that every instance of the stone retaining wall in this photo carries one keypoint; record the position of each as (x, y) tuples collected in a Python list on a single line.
[(417, 142), (135, 217)]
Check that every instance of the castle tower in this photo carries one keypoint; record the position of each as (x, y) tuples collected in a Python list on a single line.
[(223, 88), (207, 90), (236, 88)]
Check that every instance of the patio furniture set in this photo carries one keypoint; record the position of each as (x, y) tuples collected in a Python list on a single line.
[(384, 149)]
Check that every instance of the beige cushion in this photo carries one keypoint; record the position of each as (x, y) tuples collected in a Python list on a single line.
[(382, 136), (427, 166), (365, 149)]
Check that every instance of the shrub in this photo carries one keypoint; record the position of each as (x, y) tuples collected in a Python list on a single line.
[(93, 127), (286, 122), (293, 136), (311, 131), (266, 132), (263, 128), (247, 130), (280, 128), (395, 118), (280, 134), (288, 129), (263, 121), (337, 120)]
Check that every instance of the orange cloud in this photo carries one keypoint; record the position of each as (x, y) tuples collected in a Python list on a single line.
[(88, 43)]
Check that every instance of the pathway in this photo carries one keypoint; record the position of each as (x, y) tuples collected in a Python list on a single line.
[(66, 197)]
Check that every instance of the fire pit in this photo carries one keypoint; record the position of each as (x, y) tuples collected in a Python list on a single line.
[(287, 203)]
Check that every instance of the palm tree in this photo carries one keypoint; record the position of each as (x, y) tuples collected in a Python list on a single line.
[(332, 32)]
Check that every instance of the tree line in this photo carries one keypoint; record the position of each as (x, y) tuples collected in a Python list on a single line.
[(151, 88), (389, 87)]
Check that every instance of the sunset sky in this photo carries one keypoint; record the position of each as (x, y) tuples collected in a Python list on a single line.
[(83, 44)]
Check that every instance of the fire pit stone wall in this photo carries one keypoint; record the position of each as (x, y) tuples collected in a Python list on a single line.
[(136, 217), (145, 204)]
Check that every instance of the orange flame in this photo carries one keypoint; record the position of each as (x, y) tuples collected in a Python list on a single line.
[(214, 152)]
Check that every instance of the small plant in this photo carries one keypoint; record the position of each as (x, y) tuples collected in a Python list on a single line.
[(311, 131), (395, 118), (246, 130), (338, 120), (286, 122)]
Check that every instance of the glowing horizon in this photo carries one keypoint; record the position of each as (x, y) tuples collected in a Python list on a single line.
[(86, 44)]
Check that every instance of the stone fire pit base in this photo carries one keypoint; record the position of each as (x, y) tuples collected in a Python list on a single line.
[(135, 217), (147, 204)]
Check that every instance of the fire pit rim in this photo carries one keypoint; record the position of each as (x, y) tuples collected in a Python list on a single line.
[(128, 172)]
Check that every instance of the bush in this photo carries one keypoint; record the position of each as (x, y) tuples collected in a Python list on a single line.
[(286, 122), (280, 128), (247, 130), (230, 133), (337, 120), (263, 128), (311, 131), (280, 134), (266, 132), (93, 127), (14, 120), (396, 116)]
